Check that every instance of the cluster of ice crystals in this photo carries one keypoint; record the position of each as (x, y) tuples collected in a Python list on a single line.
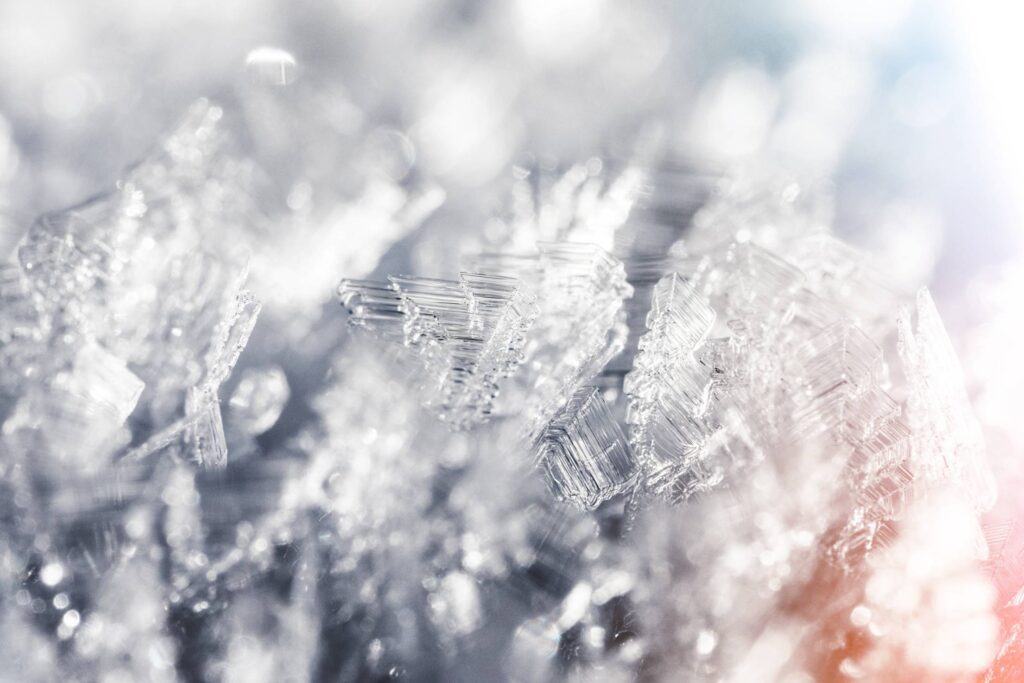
[(469, 334), (588, 202), (580, 291), (657, 435)]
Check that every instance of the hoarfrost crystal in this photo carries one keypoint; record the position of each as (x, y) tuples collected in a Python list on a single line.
[(664, 424)]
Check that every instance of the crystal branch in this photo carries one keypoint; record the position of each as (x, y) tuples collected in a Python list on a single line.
[(583, 452), (668, 389)]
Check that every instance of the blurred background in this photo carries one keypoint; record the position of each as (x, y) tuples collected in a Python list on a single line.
[(911, 107)]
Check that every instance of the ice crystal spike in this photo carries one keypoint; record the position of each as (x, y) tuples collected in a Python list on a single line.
[(839, 398), (77, 417), (206, 432), (583, 452), (883, 487), (887, 446), (69, 433), (680, 313), (468, 333), (231, 337), (376, 306), (170, 436), (668, 388), (1004, 540), (946, 442)]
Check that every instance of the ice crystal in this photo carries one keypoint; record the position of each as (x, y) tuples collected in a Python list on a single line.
[(468, 334), (669, 389), (584, 453), (947, 445)]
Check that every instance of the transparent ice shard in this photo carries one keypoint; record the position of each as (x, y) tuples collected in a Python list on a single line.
[(889, 445), (166, 437), (1004, 563), (69, 433), (103, 379), (581, 326), (946, 441), (231, 337), (99, 259), (839, 398), (143, 272), (469, 334), (206, 432), (213, 328), (376, 306), (583, 452), (668, 389), (78, 416)]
